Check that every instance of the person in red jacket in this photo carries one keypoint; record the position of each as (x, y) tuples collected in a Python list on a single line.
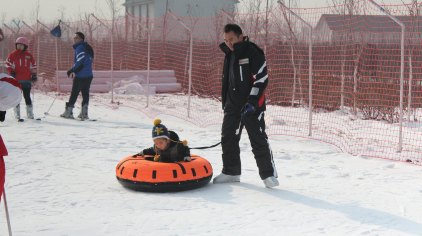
[(3, 152), (10, 96), (21, 65)]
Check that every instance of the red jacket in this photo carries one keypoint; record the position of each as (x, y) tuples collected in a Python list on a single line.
[(22, 63), (3, 152)]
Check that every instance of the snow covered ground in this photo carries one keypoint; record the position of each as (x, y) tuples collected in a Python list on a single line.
[(61, 181)]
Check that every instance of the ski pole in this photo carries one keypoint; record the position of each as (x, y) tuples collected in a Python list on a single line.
[(46, 113), (33, 95), (7, 213), (34, 85)]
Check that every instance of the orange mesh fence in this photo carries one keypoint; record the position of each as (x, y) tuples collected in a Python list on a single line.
[(356, 70)]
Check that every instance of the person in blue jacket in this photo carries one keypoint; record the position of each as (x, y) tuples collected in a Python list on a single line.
[(81, 73)]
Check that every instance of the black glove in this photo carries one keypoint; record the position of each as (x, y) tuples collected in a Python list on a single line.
[(69, 72), (138, 154), (1, 35), (2, 115), (34, 78), (247, 110)]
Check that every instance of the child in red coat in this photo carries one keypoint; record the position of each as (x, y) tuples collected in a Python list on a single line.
[(21, 65)]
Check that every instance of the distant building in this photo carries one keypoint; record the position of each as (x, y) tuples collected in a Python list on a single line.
[(196, 14), (195, 8), (366, 28)]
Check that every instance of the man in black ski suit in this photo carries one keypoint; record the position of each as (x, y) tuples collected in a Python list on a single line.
[(243, 83)]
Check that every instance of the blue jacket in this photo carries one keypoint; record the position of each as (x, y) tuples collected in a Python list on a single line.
[(82, 60)]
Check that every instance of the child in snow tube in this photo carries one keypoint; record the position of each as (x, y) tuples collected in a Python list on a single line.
[(167, 145)]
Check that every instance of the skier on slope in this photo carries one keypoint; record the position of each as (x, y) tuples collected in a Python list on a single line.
[(21, 65), (10, 96), (81, 73)]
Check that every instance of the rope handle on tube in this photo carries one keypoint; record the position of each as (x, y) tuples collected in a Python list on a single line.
[(214, 145)]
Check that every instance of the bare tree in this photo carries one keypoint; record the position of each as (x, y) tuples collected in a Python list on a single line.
[(36, 11), (114, 10), (348, 9), (17, 25), (91, 27), (252, 21), (296, 58), (62, 12)]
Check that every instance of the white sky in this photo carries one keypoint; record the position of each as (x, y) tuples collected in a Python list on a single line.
[(51, 10)]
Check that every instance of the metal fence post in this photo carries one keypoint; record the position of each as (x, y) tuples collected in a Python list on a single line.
[(190, 57), (310, 63), (400, 146)]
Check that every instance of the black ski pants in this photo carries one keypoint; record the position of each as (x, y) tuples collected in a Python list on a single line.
[(80, 85), (26, 90), (230, 137)]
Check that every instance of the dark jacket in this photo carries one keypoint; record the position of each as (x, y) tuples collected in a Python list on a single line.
[(83, 57), (174, 153), (250, 76)]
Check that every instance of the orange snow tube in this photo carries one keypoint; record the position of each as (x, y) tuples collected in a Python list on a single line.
[(141, 174)]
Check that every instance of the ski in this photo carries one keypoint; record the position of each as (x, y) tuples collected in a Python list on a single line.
[(78, 119), (86, 119), (22, 120)]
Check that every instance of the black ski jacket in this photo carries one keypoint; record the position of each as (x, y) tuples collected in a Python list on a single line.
[(250, 76)]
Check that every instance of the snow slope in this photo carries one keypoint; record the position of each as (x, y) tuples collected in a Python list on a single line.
[(60, 180)]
